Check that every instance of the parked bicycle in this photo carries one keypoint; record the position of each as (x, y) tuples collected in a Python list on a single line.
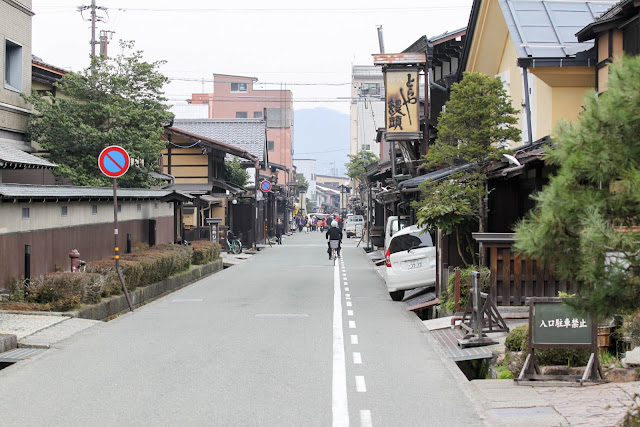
[(234, 245)]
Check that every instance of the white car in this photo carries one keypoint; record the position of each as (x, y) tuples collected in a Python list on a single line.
[(351, 223), (410, 261)]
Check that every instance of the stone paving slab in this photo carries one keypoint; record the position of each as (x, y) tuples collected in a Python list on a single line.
[(593, 404), (23, 325), (51, 335)]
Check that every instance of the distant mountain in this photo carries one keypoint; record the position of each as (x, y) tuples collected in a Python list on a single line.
[(322, 134)]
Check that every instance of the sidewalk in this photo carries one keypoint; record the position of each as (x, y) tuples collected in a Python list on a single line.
[(44, 330)]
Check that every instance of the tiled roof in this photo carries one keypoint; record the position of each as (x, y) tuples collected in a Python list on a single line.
[(26, 191), (11, 157), (546, 29), (248, 134)]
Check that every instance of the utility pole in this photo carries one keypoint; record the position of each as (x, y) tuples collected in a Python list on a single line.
[(93, 18), (93, 29)]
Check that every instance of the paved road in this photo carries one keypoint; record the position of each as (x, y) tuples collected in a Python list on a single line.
[(284, 339)]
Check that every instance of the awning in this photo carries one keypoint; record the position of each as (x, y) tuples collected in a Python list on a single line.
[(413, 184), (232, 188), (211, 200)]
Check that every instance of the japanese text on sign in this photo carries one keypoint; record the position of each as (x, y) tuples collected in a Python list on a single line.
[(402, 101), (564, 323)]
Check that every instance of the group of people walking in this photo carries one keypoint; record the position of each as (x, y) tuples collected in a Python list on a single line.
[(334, 232)]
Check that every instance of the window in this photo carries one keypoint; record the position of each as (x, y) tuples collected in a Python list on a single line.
[(370, 89), (119, 208), (271, 145), (25, 213), (63, 211), (155, 205), (238, 87), (257, 114), (278, 117), (410, 240), (139, 207), (94, 209), (12, 65), (241, 115)]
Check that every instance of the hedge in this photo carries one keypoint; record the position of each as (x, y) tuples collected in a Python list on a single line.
[(204, 252), (66, 291), (518, 340)]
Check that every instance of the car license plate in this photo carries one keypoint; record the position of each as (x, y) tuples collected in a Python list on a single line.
[(411, 265)]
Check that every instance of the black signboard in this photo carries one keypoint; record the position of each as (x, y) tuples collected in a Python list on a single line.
[(558, 323), (554, 324)]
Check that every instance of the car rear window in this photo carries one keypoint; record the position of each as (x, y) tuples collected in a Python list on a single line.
[(408, 241)]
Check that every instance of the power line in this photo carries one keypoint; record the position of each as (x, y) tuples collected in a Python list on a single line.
[(195, 79), (386, 10)]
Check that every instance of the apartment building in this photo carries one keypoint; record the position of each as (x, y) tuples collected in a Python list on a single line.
[(236, 97), (367, 108), (15, 68)]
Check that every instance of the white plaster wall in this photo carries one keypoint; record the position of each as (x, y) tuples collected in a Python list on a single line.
[(44, 216)]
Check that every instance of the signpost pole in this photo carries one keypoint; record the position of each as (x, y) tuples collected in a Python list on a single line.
[(115, 233)]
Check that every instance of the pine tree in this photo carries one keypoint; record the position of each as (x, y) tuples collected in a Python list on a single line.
[(586, 217), (476, 124)]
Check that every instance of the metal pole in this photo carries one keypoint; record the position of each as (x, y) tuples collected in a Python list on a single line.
[(115, 234), (93, 29), (27, 269), (380, 39), (527, 107)]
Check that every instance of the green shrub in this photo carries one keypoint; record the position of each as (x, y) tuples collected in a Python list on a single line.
[(204, 252), (505, 375), (65, 291), (448, 297), (518, 339), (563, 356)]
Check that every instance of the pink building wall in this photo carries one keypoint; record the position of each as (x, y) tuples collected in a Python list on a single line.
[(224, 104)]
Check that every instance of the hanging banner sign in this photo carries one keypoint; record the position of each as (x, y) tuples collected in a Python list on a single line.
[(403, 109)]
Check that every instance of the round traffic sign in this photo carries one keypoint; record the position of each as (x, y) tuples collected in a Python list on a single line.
[(114, 161), (265, 186)]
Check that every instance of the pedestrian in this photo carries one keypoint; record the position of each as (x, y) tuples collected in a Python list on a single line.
[(300, 224), (334, 233), (340, 223), (279, 231)]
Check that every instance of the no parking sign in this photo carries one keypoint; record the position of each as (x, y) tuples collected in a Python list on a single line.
[(114, 161)]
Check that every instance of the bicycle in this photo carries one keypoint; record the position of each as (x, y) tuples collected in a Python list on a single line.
[(334, 249), (234, 246)]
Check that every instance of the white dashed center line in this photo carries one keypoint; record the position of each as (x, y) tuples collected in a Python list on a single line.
[(357, 358), (361, 387), (354, 339)]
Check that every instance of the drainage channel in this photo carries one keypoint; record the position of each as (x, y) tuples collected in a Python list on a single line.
[(10, 357)]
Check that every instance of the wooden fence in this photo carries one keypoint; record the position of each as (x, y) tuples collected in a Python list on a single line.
[(514, 278)]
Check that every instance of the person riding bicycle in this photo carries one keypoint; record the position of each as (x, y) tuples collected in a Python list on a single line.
[(334, 233)]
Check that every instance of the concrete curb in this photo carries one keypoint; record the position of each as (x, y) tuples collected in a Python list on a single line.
[(116, 305), (8, 342)]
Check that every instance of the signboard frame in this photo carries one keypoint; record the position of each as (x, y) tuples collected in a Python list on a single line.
[(530, 370), (402, 103)]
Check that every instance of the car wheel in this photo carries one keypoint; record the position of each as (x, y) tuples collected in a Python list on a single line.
[(396, 295)]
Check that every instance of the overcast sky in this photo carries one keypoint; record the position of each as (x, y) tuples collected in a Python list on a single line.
[(308, 49)]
